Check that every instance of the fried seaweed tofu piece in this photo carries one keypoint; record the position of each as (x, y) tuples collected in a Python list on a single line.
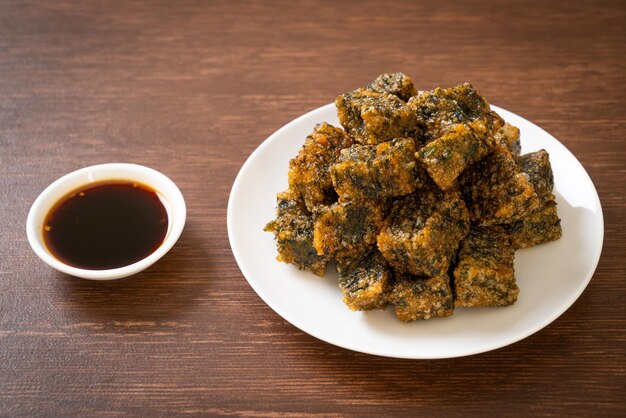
[(309, 175), (371, 117), (423, 231), (376, 172), (293, 232), (484, 274), (543, 224), (446, 157), (346, 229), (458, 127), (497, 191), (439, 110), (365, 281), (509, 137), (537, 166), (421, 298), (540, 226), (398, 84)]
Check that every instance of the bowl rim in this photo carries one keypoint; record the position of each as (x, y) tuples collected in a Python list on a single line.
[(166, 188)]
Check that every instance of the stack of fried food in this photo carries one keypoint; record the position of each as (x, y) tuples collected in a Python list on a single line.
[(422, 200)]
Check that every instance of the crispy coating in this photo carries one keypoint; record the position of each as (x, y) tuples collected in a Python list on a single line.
[(422, 200), (537, 166), (484, 274), (346, 229), (421, 298), (446, 157), (438, 111), (423, 231), (398, 84), (497, 191), (371, 117), (509, 137), (293, 232), (458, 127), (365, 281), (309, 174), (542, 224), (376, 172)]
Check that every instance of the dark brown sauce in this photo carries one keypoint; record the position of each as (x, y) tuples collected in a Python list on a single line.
[(106, 225)]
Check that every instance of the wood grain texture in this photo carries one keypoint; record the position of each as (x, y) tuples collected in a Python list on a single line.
[(191, 88)]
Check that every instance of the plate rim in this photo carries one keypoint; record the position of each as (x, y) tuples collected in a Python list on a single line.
[(294, 322)]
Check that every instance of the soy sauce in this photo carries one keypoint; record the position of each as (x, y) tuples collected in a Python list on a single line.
[(106, 225)]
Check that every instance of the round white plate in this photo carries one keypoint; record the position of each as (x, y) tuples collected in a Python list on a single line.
[(550, 276)]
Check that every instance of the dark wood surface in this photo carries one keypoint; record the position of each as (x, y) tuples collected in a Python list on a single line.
[(191, 88)]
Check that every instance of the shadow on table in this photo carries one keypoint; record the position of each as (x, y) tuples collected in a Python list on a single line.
[(163, 292)]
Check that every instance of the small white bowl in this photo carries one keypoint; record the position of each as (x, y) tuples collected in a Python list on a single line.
[(171, 196)]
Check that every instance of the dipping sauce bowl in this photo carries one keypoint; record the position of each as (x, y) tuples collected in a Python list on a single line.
[(168, 193)]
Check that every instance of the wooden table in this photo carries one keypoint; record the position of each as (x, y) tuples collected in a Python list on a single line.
[(191, 88)]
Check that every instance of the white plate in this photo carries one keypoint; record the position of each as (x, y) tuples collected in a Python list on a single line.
[(550, 276)]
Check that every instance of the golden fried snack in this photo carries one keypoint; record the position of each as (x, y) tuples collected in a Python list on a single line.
[(509, 137), (542, 224), (308, 171), (458, 127), (421, 298), (398, 84), (371, 117), (423, 231), (365, 281), (346, 229), (537, 166), (497, 191), (438, 111), (446, 157), (293, 232), (376, 172), (391, 199), (484, 275)]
